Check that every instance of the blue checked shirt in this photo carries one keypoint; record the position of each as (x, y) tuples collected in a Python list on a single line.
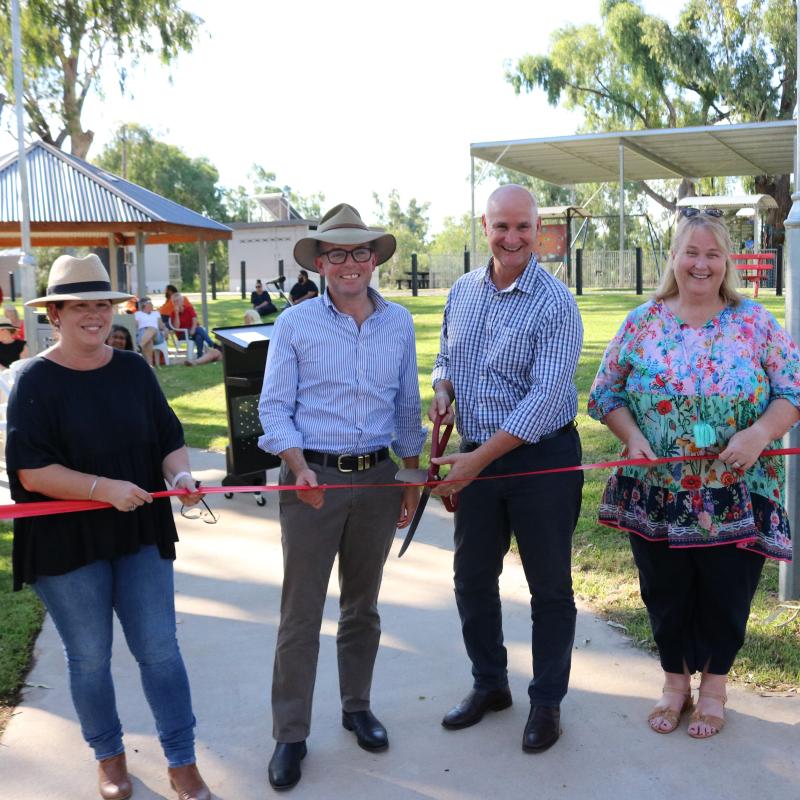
[(332, 387), (510, 355)]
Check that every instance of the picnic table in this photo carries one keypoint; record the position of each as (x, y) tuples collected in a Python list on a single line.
[(754, 267), (423, 280)]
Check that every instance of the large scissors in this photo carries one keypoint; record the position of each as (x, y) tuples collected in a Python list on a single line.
[(438, 444)]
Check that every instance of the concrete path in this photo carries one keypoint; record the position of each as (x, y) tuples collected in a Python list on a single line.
[(228, 583)]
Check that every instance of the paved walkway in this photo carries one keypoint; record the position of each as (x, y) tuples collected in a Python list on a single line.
[(228, 583)]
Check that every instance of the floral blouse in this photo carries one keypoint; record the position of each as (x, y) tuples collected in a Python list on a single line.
[(670, 376)]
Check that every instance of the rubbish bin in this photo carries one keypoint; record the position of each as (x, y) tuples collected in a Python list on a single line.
[(244, 356)]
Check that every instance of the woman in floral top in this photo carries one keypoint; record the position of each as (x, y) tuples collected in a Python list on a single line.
[(699, 370)]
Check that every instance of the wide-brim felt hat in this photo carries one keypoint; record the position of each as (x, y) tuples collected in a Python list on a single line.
[(73, 278), (343, 225), (7, 324)]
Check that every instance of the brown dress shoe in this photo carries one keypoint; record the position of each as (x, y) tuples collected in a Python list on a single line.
[(188, 783), (112, 778)]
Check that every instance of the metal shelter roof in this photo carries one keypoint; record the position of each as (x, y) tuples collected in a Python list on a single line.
[(754, 201), (754, 148), (554, 212), (74, 203)]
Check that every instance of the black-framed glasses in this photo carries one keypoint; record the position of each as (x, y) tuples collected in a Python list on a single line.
[(360, 255), (691, 211), (199, 511)]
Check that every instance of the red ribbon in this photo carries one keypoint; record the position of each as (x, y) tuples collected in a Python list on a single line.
[(44, 507)]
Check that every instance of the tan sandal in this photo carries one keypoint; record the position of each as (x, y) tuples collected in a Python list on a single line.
[(669, 714), (717, 723)]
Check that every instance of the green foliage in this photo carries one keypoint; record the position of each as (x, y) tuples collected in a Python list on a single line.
[(21, 616), (409, 226), (723, 62), (65, 43)]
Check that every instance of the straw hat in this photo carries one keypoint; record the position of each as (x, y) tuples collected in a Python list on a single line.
[(7, 324), (74, 278), (343, 225)]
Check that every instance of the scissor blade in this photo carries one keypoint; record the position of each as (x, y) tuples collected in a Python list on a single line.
[(423, 501), (406, 475)]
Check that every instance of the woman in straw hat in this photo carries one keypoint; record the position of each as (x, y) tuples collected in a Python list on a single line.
[(11, 348), (75, 431)]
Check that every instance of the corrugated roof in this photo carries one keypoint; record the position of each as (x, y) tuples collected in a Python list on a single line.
[(756, 148), (70, 198)]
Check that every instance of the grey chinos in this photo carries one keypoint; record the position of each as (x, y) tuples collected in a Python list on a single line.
[(358, 526)]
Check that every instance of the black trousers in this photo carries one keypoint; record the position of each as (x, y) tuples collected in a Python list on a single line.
[(698, 600), (542, 513)]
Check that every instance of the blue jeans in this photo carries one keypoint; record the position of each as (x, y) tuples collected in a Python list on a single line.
[(201, 337), (139, 588)]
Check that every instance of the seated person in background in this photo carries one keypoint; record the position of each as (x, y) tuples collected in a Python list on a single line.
[(13, 317), (11, 348), (304, 289), (186, 317), (261, 301), (131, 306), (251, 317), (167, 310), (120, 338), (148, 329)]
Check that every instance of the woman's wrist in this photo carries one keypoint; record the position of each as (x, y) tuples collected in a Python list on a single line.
[(182, 474)]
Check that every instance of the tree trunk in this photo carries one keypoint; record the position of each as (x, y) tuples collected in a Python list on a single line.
[(778, 187), (81, 142)]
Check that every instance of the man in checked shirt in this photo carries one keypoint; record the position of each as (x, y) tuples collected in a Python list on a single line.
[(340, 388), (510, 343)]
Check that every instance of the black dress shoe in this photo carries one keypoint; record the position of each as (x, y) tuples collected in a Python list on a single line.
[(370, 734), (472, 708), (542, 729), (284, 766)]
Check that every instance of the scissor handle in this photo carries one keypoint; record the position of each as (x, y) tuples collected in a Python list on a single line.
[(438, 445)]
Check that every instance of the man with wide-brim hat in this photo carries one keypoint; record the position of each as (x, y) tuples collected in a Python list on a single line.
[(340, 388)]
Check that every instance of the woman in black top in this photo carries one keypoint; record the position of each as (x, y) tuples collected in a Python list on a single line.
[(261, 301), (11, 348), (75, 430)]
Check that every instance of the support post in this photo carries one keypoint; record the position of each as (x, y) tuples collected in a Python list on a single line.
[(280, 269), (414, 287), (27, 261), (244, 270), (466, 260), (141, 273), (569, 248), (12, 287), (113, 270), (621, 208), (213, 280), (779, 270), (472, 206), (639, 280), (579, 271), (202, 252)]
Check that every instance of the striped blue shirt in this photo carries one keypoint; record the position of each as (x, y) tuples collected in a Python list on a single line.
[(337, 388), (510, 354)]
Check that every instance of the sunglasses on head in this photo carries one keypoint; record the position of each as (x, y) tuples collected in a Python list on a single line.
[(690, 211)]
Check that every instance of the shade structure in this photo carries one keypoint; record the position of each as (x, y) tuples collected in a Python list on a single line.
[(74, 203), (756, 148)]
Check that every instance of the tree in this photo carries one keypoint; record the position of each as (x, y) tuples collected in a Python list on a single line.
[(66, 43), (409, 226), (723, 62), (167, 170)]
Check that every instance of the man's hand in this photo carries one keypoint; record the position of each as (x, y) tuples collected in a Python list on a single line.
[(441, 408), (408, 505), (307, 477), (465, 468)]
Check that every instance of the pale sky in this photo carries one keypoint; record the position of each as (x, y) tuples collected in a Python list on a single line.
[(351, 97)]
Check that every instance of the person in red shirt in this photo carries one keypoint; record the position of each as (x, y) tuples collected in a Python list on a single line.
[(185, 316)]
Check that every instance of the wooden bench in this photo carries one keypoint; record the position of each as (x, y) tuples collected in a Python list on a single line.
[(754, 267)]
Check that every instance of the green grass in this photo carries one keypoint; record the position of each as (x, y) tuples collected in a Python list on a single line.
[(603, 569), (20, 619)]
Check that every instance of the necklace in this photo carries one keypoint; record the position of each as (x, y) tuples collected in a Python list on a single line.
[(703, 433)]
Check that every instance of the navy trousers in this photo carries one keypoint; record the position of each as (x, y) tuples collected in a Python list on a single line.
[(541, 512)]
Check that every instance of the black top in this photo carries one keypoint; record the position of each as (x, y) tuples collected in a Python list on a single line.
[(257, 298), (302, 289), (113, 422), (9, 353)]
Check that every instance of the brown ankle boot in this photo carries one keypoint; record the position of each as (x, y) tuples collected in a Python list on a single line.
[(113, 780), (188, 783)]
